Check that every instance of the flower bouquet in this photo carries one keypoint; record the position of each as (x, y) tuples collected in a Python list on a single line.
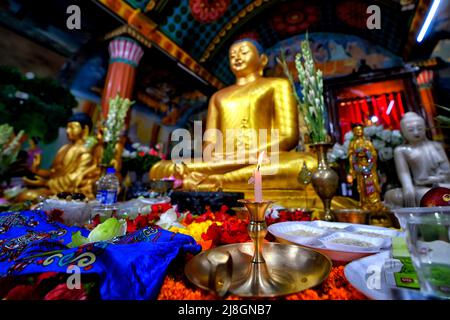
[(384, 141), (311, 103), (312, 108), (140, 159), (118, 108)]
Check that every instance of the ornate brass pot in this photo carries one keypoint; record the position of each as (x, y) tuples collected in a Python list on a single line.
[(325, 180)]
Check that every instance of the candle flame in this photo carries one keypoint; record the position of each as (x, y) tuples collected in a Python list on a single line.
[(260, 160)]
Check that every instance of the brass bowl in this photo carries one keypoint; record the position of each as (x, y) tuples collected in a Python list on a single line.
[(161, 186), (355, 215), (295, 267), (385, 219)]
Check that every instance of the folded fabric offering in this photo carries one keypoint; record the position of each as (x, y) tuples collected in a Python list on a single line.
[(130, 267)]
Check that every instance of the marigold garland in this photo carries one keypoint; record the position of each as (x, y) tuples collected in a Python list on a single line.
[(335, 287)]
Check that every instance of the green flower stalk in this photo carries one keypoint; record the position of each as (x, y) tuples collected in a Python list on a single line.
[(311, 105), (118, 108)]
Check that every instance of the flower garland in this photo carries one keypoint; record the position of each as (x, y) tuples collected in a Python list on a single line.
[(365, 170), (335, 287)]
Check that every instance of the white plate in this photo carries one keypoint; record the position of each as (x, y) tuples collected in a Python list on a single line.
[(367, 276), (385, 234), (287, 230), (329, 242), (333, 226), (344, 256)]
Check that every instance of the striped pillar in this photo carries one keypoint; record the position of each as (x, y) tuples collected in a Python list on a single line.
[(125, 54)]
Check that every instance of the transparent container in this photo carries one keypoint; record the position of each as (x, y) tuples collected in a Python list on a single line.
[(428, 238)]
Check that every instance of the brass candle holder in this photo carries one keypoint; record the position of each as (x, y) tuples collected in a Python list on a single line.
[(258, 281), (258, 269)]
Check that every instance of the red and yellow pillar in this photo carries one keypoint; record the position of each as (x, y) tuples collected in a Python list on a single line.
[(425, 82), (125, 54)]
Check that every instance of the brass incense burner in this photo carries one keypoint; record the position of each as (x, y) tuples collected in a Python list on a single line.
[(258, 268)]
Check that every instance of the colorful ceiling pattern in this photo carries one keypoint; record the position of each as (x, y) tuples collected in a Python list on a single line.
[(206, 28)]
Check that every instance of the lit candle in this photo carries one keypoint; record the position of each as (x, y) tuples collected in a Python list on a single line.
[(258, 179)]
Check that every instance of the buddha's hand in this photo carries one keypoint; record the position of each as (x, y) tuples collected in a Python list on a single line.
[(351, 175), (35, 183), (409, 197), (36, 164)]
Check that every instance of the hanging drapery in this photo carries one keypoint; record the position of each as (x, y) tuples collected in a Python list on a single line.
[(385, 109)]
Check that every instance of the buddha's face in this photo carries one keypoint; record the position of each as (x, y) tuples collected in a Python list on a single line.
[(414, 130), (74, 131), (358, 131), (244, 58)]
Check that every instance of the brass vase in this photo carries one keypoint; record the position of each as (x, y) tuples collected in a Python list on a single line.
[(325, 180)]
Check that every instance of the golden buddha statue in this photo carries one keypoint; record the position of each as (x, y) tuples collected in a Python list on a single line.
[(254, 106), (74, 169), (363, 166)]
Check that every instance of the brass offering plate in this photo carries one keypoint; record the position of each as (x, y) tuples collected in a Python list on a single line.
[(291, 269)]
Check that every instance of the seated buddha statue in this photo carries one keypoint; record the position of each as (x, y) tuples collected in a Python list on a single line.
[(72, 170), (421, 164), (252, 109)]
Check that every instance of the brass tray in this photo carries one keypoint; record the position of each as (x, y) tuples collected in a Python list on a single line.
[(293, 268)]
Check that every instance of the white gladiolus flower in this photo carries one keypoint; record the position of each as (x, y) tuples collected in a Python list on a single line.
[(136, 145)]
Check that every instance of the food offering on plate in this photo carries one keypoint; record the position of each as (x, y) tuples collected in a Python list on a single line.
[(76, 207), (300, 232), (341, 242), (347, 241)]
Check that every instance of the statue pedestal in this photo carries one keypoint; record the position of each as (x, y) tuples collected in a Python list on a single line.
[(196, 201), (293, 199)]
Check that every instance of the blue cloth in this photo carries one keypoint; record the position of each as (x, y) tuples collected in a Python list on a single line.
[(131, 267)]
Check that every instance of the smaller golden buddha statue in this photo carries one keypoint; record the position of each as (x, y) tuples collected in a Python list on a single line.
[(363, 166), (73, 169)]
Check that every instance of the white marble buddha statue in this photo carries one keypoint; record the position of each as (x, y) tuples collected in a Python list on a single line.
[(421, 164)]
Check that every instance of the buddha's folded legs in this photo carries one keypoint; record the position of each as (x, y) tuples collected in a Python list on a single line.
[(33, 194), (280, 174)]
